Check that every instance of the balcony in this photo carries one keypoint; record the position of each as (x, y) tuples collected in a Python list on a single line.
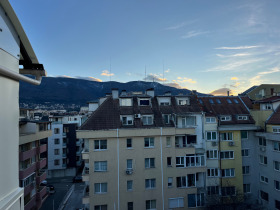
[(85, 154), (78, 142), (41, 195), (29, 188), (41, 164), (42, 148), (28, 171), (78, 163), (86, 196), (41, 177), (64, 155), (30, 204), (85, 174), (64, 134), (27, 154)]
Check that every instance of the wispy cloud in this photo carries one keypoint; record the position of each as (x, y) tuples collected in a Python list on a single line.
[(234, 78), (106, 73), (233, 55), (237, 48), (167, 71), (173, 84), (79, 77), (155, 77), (256, 80), (180, 25), (191, 34), (185, 80), (274, 70), (221, 92)]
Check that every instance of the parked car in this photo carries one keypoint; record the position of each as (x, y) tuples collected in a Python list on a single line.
[(77, 179), (50, 189), (44, 183)]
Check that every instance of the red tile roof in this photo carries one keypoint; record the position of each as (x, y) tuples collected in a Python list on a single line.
[(275, 117), (269, 100)]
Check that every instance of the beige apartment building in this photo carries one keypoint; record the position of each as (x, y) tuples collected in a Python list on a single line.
[(144, 152)]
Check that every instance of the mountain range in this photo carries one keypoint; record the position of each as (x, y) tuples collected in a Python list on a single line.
[(61, 90)]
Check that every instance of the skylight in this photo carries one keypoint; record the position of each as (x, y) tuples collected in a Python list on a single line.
[(229, 101), (218, 101), (211, 101), (235, 101)]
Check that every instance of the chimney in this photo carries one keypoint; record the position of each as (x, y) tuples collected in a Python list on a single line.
[(228, 93), (167, 93), (194, 92), (150, 92), (108, 94), (92, 106), (123, 93), (115, 93)]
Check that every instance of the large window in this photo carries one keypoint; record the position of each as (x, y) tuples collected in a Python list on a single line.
[(56, 141), (100, 144), (144, 102), (150, 183), (276, 146), (213, 172), (229, 172), (175, 203), (186, 181), (126, 102), (149, 142), (149, 162), (195, 200), (184, 141), (228, 191), (129, 143), (130, 206), (212, 154), (276, 129), (127, 120), (263, 159), (100, 188), (147, 119), (100, 166), (225, 118), (211, 135), (188, 121), (227, 154), (245, 170), (226, 136), (276, 165), (151, 204)]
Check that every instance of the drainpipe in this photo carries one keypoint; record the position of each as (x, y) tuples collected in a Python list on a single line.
[(161, 162), (219, 157), (4, 71)]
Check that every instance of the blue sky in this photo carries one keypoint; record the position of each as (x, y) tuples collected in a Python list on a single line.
[(208, 46)]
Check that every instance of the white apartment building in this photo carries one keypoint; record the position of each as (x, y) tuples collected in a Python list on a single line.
[(15, 50)]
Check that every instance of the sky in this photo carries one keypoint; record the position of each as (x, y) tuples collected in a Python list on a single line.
[(209, 46)]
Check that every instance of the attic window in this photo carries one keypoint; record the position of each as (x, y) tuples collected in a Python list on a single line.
[(164, 103), (242, 117), (236, 101), (226, 118), (200, 101), (144, 102), (147, 120), (211, 101), (126, 102), (218, 101), (127, 120), (229, 101), (268, 106)]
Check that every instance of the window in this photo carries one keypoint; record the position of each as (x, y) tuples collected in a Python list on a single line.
[(56, 162), (244, 134), (151, 204), (184, 141), (276, 146), (100, 144), (277, 185), (230, 172), (129, 185), (100, 188), (100, 166), (213, 190), (262, 141), (211, 101), (277, 204), (56, 151), (218, 101), (149, 142), (130, 206), (168, 141), (127, 120), (144, 102), (245, 170), (211, 135), (210, 120), (227, 154), (150, 183), (126, 102), (264, 179), (226, 136), (228, 191), (147, 120), (246, 188), (25, 182), (164, 103), (242, 117), (195, 160), (175, 203), (56, 141), (264, 195), (188, 121), (180, 162), (129, 164), (149, 162), (245, 152), (166, 118), (169, 163), (186, 181), (268, 106), (276, 129), (213, 172), (263, 159), (56, 131), (100, 207), (128, 143), (235, 101), (226, 118), (276, 165), (182, 102), (229, 101), (195, 200), (212, 154), (170, 181)]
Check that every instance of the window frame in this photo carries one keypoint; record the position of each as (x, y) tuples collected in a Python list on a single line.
[(150, 184), (224, 172), (210, 120), (98, 167), (211, 135), (230, 155), (100, 141), (100, 188), (145, 119), (149, 163), (151, 140)]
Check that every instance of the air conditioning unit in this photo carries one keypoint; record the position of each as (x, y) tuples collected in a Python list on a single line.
[(214, 143), (137, 116), (231, 143), (129, 171), (262, 149)]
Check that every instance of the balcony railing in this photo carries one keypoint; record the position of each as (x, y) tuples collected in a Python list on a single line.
[(42, 163), (27, 154), (31, 203), (41, 176), (85, 154), (42, 148), (29, 188), (28, 171)]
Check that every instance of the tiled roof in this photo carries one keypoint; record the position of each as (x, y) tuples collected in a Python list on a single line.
[(249, 90), (247, 101), (269, 100), (231, 105), (275, 117)]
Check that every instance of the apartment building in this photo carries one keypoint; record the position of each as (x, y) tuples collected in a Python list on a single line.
[(144, 152), (227, 124), (64, 149), (33, 136), (262, 91), (15, 50)]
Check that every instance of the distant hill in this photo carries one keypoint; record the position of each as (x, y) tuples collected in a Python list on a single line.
[(60, 90)]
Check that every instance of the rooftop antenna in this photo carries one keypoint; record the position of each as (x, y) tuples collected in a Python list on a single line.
[(145, 74), (163, 71), (110, 74)]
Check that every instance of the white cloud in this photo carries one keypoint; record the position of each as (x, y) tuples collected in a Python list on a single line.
[(193, 34), (274, 70), (155, 77), (173, 84), (180, 25), (89, 78), (233, 55), (106, 73), (167, 71), (221, 92), (185, 80), (237, 48)]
